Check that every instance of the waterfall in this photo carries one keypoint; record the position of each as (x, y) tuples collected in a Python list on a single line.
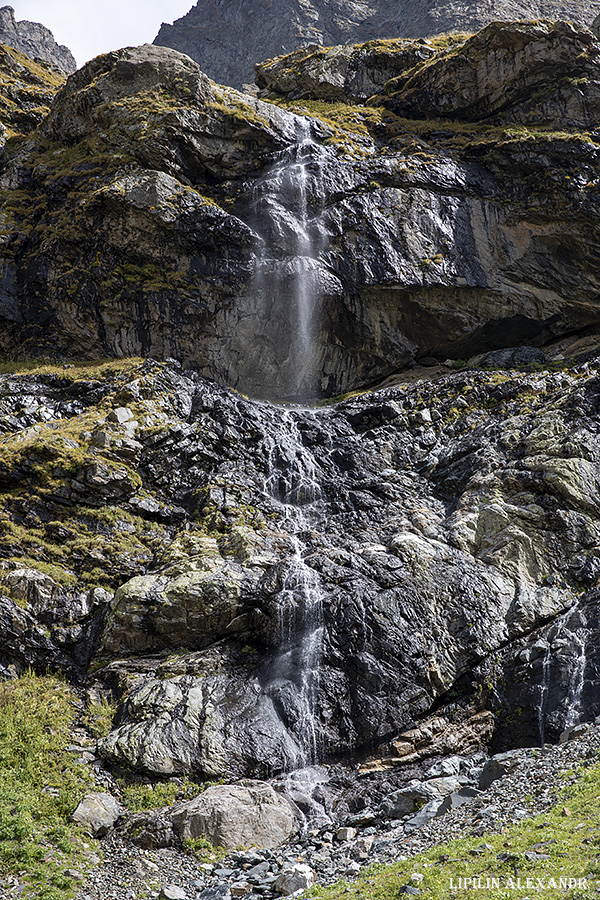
[(569, 633), (577, 637), (294, 675), (288, 279)]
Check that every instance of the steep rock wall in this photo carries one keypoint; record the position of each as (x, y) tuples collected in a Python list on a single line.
[(297, 584), (157, 213), (35, 40)]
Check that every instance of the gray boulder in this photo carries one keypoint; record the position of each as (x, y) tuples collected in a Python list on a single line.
[(298, 877), (456, 799), (248, 814), (445, 768), (350, 72), (98, 812), (424, 815), (404, 801), (498, 766)]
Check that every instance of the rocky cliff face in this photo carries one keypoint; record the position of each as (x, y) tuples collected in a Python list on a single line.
[(404, 572), (227, 38), (300, 247), (35, 41), (264, 587)]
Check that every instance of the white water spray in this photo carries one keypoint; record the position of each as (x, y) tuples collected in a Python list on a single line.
[(288, 281), (569, 631), (294, 678)]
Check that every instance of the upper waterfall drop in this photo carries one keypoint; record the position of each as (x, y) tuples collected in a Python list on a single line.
[(290, 279)]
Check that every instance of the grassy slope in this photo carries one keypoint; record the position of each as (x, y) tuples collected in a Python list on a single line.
[(40, 787), (565, 840)]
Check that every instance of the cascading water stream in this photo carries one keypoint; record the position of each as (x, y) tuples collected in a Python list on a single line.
[(574, 636), (294, 676), (288, 276), (287, 286), (578, 639)]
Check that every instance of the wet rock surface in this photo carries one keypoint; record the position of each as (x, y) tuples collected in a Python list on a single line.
[(275, 615)]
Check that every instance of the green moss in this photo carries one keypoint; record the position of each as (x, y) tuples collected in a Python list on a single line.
[(40, 786), (449, 40), (239, 112)]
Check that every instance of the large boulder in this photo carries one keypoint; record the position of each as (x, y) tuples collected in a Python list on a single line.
[(249, 814), (196, 126), (98, 812), (351, 72), (189, 608)]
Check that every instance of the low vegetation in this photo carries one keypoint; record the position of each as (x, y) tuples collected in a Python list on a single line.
[(40, 786), (557, 849), (139, 796)]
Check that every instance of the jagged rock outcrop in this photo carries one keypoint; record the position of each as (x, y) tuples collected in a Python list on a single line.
[(35, 41), (157, 213), (343, 572), (27, 89), (227, 38), (505, 73), (350, 72)]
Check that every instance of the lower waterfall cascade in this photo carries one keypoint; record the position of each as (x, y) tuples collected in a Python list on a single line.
[(293, 483)]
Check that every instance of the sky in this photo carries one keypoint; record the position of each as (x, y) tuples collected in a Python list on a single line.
[(90, 27)]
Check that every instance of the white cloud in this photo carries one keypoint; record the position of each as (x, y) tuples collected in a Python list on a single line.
[(90, 27)]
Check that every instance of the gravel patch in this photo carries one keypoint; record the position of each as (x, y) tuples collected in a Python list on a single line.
[(128, 872)]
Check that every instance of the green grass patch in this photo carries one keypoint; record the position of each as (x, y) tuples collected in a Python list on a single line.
[(99, 717), (202, 850), (40, 787), (138, 797), (76, 370), (562, 843)]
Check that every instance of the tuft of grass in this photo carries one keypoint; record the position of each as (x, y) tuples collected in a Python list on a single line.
[(202, 849), (40, 787), (561, 843), (99, 717), (138, 797)]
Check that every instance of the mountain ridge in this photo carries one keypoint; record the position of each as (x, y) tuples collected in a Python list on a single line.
[(35, 40), (227, 38)]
